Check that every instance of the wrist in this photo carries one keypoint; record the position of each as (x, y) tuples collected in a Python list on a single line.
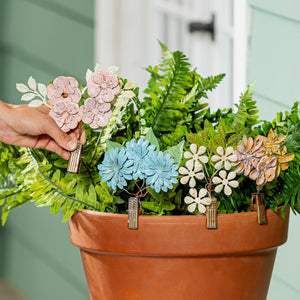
[(4, 110)]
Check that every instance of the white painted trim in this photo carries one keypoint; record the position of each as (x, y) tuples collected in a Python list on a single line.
[(107, 43), (240, 47)]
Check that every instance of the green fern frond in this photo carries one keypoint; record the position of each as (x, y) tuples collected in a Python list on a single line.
[(247, 114), (174, 92), (290, 192)]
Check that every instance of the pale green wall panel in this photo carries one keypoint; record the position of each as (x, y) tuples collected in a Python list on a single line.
[(42, 38), (35, 279), (49, 240), (286, 267), (288, 8), (280, 289), (274, 63), (83, 10), (268, 108), (47, 36), (274, 60)]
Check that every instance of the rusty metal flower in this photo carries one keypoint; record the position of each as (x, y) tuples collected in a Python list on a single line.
[(265, 170), (272, 143), (273, 146), (283, 160), (248, 155)]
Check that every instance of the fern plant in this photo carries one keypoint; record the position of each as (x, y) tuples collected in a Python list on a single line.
[(173, 115)]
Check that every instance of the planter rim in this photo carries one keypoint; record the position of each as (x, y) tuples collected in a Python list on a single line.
[(107, 233), (171, 219)]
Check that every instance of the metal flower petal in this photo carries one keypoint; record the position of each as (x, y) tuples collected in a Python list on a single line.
[(196, 154), (191, 173), (64, 88), (115, 168), (103, 85), (95, 114), (225, 181), (138, 152), (66, 115), (199, 200), (224, 159), (161, 171), (248, 155), (265, 170)]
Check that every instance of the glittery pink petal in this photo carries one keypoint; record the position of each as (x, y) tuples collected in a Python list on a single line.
[(78, 117), (76, 96), (257, 144), (103, 107), (254, 174), (112, 81), (106, 95), (241, 149), (51, 90), (87, 117), (60, 81), (73, 108), (72, 122), (94, 125), (108, 114), (59, 120), (53, 114), (59, 107), (90, 103), (97, 77), (68, 89), (255, 162), (65, 128), (101, 120), (73, 82), (116, 90), (93, 89)]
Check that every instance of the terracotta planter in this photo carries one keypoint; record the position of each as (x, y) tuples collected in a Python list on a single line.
[(176, 257)]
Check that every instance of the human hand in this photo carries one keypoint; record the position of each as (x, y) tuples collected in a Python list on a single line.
[(25, 126)]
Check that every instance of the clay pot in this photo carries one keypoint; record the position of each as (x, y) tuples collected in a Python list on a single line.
[(176, 257)]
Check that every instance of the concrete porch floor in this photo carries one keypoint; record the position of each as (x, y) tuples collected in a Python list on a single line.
[(8, 293)]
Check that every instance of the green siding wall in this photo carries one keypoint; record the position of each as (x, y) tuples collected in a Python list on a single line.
[(42, 38), (274, 63)]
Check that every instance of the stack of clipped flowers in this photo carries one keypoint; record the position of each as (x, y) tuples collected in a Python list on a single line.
[(64, 94), (65, 98)]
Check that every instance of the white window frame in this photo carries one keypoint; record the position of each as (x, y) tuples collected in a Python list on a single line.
[(113, 46)]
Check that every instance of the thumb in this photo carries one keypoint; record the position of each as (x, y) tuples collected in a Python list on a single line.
[(60, 137)]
